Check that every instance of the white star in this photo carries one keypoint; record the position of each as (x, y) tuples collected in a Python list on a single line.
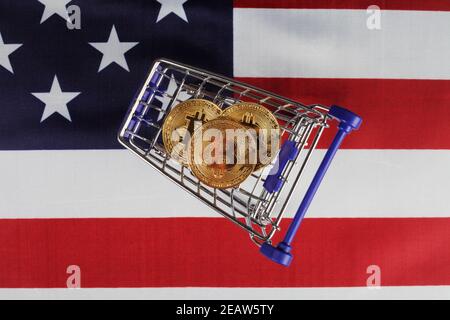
[(5, 51), (56, 101), (169, 6), (55, 7), (182, 96), (113, 50)]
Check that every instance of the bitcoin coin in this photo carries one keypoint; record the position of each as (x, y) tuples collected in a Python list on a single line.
[(265, 125), (221, 153), (181, 123)]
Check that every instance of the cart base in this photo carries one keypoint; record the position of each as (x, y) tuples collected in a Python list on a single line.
[(279, 254)]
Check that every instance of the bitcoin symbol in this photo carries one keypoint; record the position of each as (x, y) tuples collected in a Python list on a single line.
[(183, 120), (248, 119), (192, 123), (220, 173)]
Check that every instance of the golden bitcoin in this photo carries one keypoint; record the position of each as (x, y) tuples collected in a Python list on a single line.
[(221, 153), (181, 123), (265, 125)]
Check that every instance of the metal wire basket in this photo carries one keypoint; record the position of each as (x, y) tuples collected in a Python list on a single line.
[(259, 203)]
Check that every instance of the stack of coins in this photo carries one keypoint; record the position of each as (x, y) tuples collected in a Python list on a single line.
[(221, 147)]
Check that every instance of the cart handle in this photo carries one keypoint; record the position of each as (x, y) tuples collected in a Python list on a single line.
[(348, 122)]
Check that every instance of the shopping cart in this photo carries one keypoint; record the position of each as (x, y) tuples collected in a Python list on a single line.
[(259, 203)]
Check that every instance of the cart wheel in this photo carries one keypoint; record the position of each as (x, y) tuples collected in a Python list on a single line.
[(279, 254)]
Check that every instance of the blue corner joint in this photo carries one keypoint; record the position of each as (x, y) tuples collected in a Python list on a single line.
[(282, 253), (287, 153)]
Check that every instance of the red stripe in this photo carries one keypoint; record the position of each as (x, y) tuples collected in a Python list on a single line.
[(207, 252), (438, 5), (397, 114)]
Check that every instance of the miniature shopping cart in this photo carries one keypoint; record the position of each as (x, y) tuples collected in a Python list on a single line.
[(259, 203)]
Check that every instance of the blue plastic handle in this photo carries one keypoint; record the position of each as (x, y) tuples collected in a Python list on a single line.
[(348, 122)]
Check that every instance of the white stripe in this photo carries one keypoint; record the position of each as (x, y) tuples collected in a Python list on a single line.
[(114, 183), (337, 44), (416, 292)]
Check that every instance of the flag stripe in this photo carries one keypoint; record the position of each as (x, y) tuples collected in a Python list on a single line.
[(338, 44), (404, 292), (397, 114), (114, 183), (211, 253), (347, 4)]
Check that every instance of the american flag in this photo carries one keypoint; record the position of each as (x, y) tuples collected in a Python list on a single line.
[(70, 216)]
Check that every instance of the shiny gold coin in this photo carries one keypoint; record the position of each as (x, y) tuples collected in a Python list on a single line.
[(181, 123), (221, 153), (265, 125)]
